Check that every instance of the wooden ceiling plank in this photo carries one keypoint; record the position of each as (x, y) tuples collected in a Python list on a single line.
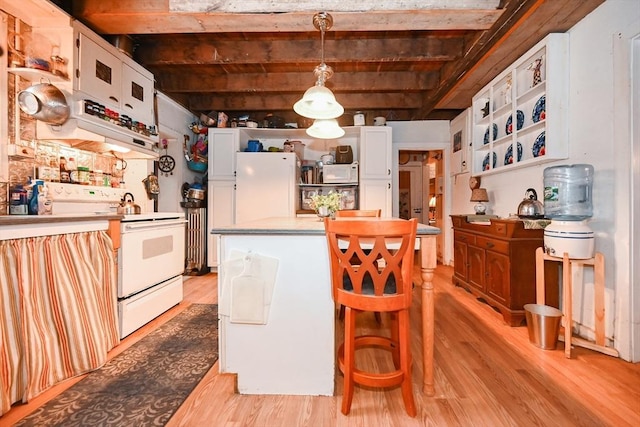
[(180, 50), (257, 102), (294, 82), (145, 22), (280, 6)]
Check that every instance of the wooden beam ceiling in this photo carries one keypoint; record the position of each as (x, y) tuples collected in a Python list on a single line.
[(404, 59)]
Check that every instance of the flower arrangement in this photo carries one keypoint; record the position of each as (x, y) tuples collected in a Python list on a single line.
[(329, 202)]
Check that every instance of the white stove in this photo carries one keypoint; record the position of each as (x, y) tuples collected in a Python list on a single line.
[(151, 254), (150, 266), (153, 216)]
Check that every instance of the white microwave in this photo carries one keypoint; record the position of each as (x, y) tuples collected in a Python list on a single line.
[(340, 173)]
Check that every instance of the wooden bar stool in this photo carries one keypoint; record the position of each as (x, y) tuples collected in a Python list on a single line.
[(366, 287), (359, 213), (568, 265)]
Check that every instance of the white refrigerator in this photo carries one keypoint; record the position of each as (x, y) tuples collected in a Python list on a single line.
[(266, 185)]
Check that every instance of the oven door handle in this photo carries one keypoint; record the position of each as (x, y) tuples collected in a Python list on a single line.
[(153, 225)]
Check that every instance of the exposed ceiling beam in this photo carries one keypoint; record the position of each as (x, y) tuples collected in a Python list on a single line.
[(190, 49), (150, 17), (280, 102), (203, 82)]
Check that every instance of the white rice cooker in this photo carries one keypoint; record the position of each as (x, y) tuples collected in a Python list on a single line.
[(572, 237)]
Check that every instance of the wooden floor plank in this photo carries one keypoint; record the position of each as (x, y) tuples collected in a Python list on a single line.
[(486, 374)]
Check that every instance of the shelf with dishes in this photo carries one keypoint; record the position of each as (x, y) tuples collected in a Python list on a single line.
[(519, 119)]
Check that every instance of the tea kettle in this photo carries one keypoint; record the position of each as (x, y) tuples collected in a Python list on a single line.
[(127, 207), (530, 206)]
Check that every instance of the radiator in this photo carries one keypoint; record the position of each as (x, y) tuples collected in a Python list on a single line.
[(196, 238)]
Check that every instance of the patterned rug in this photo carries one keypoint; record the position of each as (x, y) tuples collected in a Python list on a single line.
[(145, 384)]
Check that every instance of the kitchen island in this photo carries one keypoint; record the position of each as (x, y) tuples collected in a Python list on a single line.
[(293, 350)]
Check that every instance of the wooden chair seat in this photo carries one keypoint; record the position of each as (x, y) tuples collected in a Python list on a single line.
[(366, 287)]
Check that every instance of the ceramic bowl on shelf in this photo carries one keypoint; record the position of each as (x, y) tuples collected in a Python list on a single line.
[(508, 157), (495, 133), (539, 110), (539, 146), (485, 162), (519, 122)]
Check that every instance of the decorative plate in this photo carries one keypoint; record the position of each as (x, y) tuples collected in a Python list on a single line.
[(508, 157), (495, 134), (485, 162), (538, 146), (539, 110), (519, 119)]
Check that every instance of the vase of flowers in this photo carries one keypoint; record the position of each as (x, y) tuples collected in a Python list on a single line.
[(326, 205)]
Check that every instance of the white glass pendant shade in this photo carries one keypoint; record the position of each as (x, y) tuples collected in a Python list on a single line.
[(325, 129), (318, 102)]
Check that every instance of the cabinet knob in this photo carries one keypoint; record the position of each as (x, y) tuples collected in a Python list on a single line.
[(490, 245)]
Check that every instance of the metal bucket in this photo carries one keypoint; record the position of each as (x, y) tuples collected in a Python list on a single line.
[(543, 324)]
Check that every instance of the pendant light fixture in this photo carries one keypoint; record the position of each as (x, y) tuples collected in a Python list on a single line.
[(318, 102), (325, 129)]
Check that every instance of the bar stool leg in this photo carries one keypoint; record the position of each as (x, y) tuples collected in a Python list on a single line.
[(567, 303)]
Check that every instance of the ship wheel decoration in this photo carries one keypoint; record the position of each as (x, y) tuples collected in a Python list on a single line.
[(166, 163)]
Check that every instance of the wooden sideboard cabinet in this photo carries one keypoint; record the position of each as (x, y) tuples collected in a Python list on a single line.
[(497, 263)]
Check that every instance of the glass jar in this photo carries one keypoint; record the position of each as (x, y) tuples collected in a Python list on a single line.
[(83, 175)]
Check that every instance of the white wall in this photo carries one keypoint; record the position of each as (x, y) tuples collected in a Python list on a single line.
[(174, 121), (595, 116)]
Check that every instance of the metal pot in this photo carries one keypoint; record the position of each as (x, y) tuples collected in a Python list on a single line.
[(195, 194), (127, 207), (44, 102), (531, 207)]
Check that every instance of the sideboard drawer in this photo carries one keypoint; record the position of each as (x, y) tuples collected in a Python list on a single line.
[(464, 237), (492, 244)]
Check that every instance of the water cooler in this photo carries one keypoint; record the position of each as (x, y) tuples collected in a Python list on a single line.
[(568, 203)]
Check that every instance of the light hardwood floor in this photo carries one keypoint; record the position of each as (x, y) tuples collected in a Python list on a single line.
[(486, 374)]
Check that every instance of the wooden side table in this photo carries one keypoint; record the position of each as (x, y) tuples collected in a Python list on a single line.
[(597, 262)]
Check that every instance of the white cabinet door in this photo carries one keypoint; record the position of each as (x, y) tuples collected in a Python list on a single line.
[(376, 194), (224, 143), (375, 152), (137, 95), (460, 142), (220, 213), (100, 73)]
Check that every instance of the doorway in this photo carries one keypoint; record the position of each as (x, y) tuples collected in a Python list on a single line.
[(420, 188)]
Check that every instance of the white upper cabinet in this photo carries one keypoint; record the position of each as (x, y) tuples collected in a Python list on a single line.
[(106, 76), (375, 152), (223, 144), (99, 73), (520, 118), (137, 94)]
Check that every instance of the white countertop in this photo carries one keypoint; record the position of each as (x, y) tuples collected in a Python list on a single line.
[(293, 225)]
